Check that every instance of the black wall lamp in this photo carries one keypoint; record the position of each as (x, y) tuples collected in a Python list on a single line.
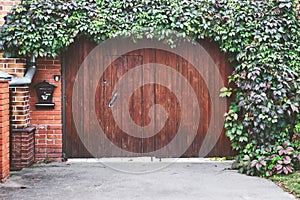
[(56, 78)]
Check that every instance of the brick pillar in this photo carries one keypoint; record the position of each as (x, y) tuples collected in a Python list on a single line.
[(20, 116), (4, 127), (22, 148), (22, 135)]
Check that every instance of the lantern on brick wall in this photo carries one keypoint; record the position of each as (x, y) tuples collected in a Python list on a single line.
[(44, 91)]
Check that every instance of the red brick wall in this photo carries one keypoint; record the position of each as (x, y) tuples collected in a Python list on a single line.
[(5, 6), (48, 122), (4, 130), (22, 148)]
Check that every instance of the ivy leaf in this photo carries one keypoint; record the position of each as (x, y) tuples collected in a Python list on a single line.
[(294, 108), (225, 92)]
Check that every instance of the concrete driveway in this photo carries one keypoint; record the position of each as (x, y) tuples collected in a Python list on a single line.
[(131, 180)]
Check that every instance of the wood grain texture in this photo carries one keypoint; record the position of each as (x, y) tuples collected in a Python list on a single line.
[(142, 100)]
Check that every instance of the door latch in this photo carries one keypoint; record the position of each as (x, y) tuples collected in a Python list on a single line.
[(113, 99)]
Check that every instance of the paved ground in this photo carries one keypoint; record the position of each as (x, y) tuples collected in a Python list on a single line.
[(95, 180)]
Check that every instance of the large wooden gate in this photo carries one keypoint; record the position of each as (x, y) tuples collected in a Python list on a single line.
[(140, 104)]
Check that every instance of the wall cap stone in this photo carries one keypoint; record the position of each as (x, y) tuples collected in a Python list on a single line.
[(5, 76), (26, 130)]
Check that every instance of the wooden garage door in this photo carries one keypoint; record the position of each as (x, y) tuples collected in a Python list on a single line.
[(140, 103)]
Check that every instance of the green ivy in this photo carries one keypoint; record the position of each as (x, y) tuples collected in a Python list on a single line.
[(263, 37)]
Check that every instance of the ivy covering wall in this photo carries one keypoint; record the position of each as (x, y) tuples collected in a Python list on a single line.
[(263, 37)]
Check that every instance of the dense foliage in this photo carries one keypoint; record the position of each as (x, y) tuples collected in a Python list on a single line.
[(263, 36)]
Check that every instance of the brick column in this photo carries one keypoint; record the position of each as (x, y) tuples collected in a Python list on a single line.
[(22, 148), (4, 126), (22, 135), (20, 115)]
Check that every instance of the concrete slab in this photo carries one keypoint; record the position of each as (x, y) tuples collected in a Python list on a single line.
[(176, 181)]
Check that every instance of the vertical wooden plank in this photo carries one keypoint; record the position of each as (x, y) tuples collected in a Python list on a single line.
[(148, 100), (116, 133), (75, 137), (135, 104), (197, 87), (172, 62), (120, 65), (108, 96), (167, 99), (85, 91), (103, 96), (179, 67), (159, 99), (125, 139), (100, 103), (68, 108), (183, 66), (95, 138)]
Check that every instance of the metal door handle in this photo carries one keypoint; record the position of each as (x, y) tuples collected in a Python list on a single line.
[(113, 99)]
